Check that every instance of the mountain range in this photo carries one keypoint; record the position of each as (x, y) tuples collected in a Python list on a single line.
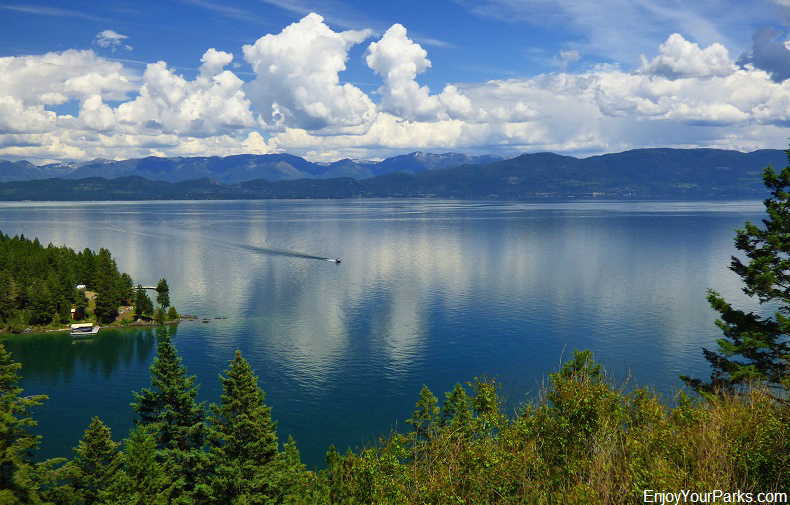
[(239, 168), (640, 173)]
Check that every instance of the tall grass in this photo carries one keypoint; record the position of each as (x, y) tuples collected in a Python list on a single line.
[(584, 441)]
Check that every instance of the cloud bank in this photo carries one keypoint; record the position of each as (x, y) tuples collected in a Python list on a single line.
[(76, 105)]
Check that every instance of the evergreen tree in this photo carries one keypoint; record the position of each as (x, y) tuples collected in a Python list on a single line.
[(106, 306), (288, 478), (106, 280), (170, 410), (457, 409), (18, 479), (172, 313), (754, 347), (425, 413), (243, 437), (6, 296), (159, 315), (144, 479), (125, 288), (40, 303), (163, 294), (80, 303), (143, 306), (95, 472), (86, 268)]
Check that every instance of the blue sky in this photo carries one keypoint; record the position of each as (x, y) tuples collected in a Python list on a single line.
[(332, 79)]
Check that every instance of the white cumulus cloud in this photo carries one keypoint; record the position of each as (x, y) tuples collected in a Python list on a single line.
[(296, 77), (64, 105), (680, 58), (211, 104), (398, 60), (56, 78)]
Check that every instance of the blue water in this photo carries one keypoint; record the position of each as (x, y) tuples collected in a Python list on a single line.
[(428, 292)]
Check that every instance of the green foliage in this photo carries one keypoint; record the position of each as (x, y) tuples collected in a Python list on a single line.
[(172, 314), (143, 306), (19, 482), (106, 281), (38, 284), (159, 315), (95, 472), (178, 421), (425, 414), (162, 293), (144, 481), (40, 303), (585, 442), (125, 288), (457, 409), (756, 348), (243, 438)]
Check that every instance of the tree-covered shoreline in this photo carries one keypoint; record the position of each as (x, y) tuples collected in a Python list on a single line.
[(40, 285)]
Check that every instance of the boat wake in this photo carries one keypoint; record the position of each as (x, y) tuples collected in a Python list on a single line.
[(236, 245), (283, 252)]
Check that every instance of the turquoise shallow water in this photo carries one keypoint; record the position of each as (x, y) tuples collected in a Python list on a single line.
[(428, 292)]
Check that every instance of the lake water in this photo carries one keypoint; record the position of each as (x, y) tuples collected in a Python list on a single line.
[(428, 292)]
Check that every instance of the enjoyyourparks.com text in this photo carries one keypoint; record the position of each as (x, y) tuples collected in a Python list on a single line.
[(715, 496)]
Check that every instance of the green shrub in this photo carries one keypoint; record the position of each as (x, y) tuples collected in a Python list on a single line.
[(159, 315)]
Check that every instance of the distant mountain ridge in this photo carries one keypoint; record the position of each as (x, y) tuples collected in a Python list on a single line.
[(638, 174), (237, 168)]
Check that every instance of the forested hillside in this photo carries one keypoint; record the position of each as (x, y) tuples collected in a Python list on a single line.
[(38, 284)]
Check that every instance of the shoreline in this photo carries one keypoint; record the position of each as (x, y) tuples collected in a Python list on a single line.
[(39, 330)]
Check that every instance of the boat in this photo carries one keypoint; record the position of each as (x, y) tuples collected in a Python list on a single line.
[(84, 330), (336, 260)]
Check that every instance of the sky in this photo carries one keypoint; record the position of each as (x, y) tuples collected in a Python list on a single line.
[(366, 80)]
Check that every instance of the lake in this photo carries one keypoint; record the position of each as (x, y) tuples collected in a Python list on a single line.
[(428, 292)]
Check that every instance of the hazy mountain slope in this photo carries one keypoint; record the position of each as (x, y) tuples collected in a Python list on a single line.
[(643, 173), (232, 169)]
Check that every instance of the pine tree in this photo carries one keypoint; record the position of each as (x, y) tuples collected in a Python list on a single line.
[(107, 299), (95, 471), (243, 437), (142, 303), (163, 294), (144, 480), (125, 288), (40, 303), (171, 411), (6, 296), (288, 479), (457, 409), (754, 347), (159, 315), (425, 413), (18, 479)]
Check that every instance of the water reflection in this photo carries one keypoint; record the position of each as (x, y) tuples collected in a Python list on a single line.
[(428, 292), (54, 358)]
